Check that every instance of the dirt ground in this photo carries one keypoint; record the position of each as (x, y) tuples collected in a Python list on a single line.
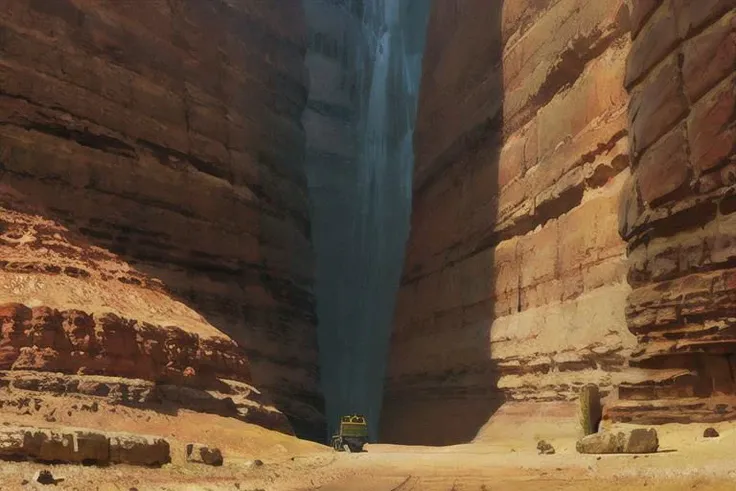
[(686, 461)]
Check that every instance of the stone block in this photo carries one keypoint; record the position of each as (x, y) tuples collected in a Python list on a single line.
[(539, 255), (139, 450), (712, 127), (694, 14), (91, 447), (709, 57), (50, 446), (656, 105), (606, 442), (203, 454), (664, 168), (655, 41), (640, 12)]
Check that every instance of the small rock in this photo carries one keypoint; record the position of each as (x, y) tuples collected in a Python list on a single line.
[(44, 477), (203, 454), (635, 441), (711, 433), (545, 448)]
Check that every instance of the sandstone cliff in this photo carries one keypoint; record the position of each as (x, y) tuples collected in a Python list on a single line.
[(514, 287), (153, 216), (678, 212)]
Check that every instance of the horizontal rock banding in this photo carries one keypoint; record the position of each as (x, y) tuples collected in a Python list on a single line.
[(41, 338), (514, 282), (151, 169), (679, 216)]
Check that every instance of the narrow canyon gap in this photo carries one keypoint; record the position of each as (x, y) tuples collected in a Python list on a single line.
[(364, 60)]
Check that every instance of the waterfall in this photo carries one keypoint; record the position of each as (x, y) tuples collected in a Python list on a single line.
[(366, 210)]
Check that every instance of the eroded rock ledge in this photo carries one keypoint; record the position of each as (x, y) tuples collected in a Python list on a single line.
[(73, 341), (151, 175)]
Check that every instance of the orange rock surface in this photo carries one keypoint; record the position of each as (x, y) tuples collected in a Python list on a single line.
[(153, 210)]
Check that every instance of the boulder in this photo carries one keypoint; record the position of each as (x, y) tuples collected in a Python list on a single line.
[(711, 433), (139, 450), (203, 454), (639, 440), (44, 477), (545, 448), (65, 446)]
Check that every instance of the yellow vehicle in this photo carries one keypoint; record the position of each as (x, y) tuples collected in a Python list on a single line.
[(353, 434)]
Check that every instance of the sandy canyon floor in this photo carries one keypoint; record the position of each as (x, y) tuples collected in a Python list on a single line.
[(502, 458)]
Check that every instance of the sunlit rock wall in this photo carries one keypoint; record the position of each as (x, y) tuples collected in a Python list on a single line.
[(679, 212), (514, 287)]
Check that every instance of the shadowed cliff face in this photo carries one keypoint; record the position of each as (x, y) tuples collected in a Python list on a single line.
[(514, 284), (678, 213), (151, 155)]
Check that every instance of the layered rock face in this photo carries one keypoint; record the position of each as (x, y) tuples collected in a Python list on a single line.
[(514, 287), (678, 212), (153, 211)]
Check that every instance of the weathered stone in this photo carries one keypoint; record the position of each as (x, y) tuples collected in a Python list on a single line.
[(652, 44), (12, 442), (679, 233), (91, 447), (606, 442), (640, 12), (203, 454), (664, 169), (656, 105), (44, 476), (591, 411), (49, 446), (712, 128), (709, 57), (641, 441), (545, 448), (692, 15), (139, 450), (710, 433)]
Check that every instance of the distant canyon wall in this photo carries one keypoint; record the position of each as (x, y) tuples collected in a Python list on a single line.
[(153, 208), (514, 287)]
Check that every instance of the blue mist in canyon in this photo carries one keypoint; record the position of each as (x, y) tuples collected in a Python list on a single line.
[(364, 59)]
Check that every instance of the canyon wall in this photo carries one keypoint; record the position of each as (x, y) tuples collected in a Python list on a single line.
[(153, 211), (678, 212), (514, 287)]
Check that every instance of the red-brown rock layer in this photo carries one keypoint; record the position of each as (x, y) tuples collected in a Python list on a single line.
[(514, 283), (679, 213), (73, 341), (151, 170)]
